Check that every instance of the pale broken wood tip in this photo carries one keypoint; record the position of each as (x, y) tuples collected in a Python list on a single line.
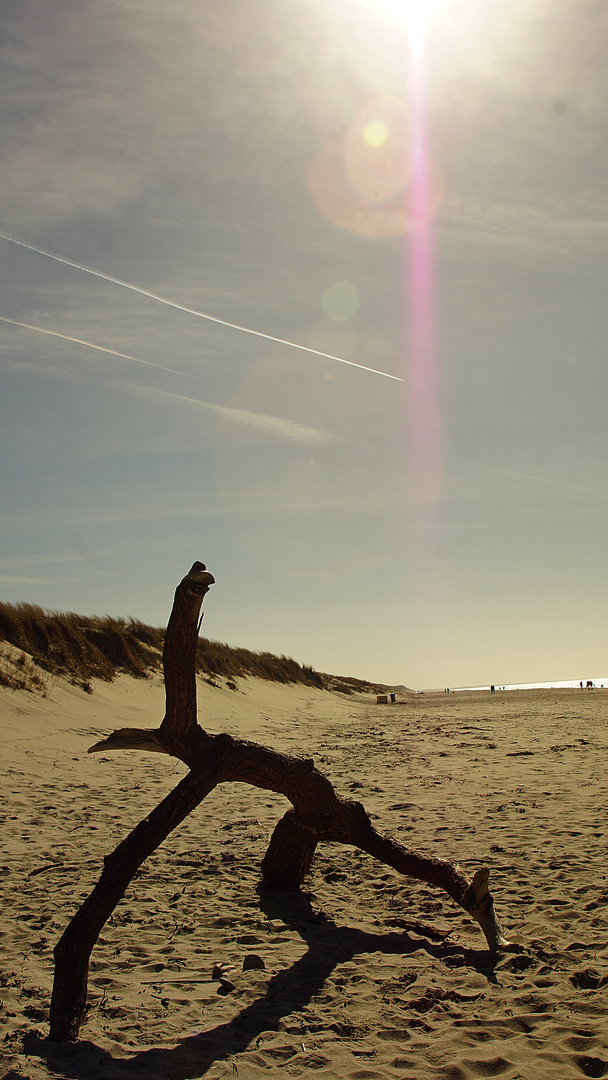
[(480, 884), (131, 739), (481, 906), (199, 574)]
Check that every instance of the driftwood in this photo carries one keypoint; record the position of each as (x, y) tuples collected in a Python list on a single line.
[(318, 813)]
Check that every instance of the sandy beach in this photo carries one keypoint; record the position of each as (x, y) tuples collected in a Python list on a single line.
[(196, 974)]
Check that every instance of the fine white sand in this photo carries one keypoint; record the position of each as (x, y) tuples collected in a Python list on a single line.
[(516, 781)]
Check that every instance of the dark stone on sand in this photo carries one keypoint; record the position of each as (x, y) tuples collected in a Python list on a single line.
[(251, 961)]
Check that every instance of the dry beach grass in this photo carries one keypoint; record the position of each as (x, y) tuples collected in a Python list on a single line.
[(514, 780), (83, 647)]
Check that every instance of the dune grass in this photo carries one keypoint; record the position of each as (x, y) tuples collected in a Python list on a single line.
[(19, 672), (78, 647), (81, 648)]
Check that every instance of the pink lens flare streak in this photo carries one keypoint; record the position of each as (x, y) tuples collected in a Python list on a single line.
[(426, 441)]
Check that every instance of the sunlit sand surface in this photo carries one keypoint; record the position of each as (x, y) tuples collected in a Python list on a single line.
[(516, 781)]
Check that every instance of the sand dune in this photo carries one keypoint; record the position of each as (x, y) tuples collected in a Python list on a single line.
[(327, 982)]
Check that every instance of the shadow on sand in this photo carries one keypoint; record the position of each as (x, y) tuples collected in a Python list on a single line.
[(288, 991)]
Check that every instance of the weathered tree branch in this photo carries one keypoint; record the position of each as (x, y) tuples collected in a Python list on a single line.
[(179, 659), (318, 813), (74, 948)]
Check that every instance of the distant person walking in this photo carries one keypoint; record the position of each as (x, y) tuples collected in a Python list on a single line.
[(492, 689)]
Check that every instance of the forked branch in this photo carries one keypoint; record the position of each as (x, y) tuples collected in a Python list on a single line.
[(318, 813)]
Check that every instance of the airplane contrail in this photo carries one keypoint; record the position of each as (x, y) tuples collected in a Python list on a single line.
[(100, 348), (537, 479), (275, 425), (189, 310)]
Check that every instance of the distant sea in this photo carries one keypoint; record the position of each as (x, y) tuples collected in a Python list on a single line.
[(563, 684)]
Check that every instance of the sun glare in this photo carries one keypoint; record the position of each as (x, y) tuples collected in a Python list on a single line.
[(417, 15), (426, 440)]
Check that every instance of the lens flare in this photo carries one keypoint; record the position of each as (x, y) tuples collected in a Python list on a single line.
[(427, 437), (360, 181), (377, 150), (340, 301), (375, 133), (426, 429)]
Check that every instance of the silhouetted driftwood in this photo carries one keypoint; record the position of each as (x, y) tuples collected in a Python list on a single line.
[(318, 813)]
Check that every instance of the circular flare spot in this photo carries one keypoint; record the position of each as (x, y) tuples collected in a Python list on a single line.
[(340, 301), (361, 181), (375, 133), (377, 149)]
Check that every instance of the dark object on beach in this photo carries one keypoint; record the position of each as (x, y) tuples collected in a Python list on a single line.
[(253, 962), (318, 813)]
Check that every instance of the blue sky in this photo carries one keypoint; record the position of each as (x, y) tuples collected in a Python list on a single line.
[(173, 147)]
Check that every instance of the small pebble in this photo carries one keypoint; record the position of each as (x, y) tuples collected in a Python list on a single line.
[(252, 960)]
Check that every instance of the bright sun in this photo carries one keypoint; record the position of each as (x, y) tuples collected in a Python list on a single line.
[(416, 14)]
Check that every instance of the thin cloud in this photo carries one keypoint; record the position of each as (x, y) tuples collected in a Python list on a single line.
[(16, 579), (537, 479), (274, 426), (39, 560), (522, 224)]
